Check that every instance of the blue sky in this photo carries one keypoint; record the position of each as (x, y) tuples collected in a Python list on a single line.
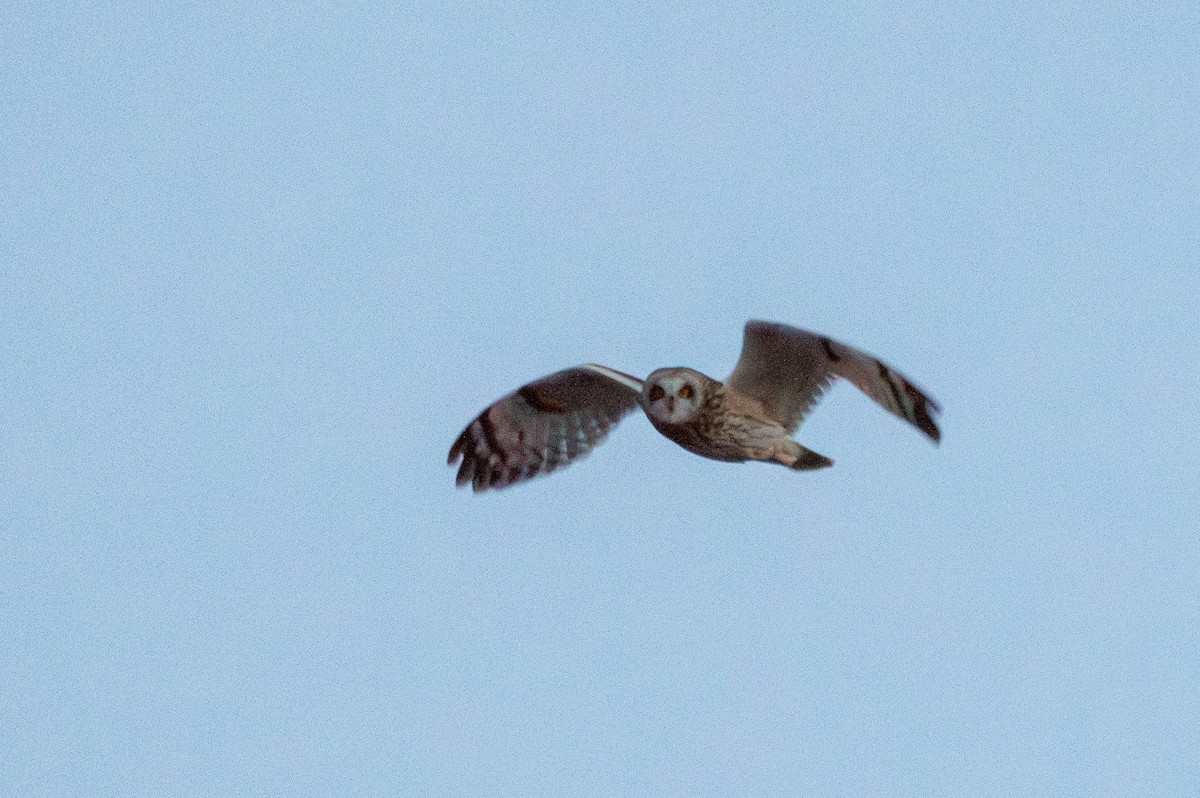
[(261, 265)]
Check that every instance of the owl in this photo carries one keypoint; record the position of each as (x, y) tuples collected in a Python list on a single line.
[(780, 375)]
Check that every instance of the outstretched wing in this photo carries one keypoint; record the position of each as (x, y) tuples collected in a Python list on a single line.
[(543, 425), (789, 369)]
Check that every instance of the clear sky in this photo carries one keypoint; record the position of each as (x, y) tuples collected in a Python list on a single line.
[(262, 262)]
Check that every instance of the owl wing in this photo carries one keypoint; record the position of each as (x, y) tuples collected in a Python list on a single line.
[(789, 369), (543, 425)]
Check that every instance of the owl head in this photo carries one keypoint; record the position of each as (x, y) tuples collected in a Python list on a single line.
[(674, 395)]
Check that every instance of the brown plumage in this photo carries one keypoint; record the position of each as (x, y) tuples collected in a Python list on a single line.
[(781, 374)]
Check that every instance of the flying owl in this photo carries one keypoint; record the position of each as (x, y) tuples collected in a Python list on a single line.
[(780, 375)]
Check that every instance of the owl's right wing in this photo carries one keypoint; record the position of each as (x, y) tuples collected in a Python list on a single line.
[(788, 369), (543, 425)]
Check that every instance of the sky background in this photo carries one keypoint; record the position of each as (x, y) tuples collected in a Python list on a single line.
[(262, 262)]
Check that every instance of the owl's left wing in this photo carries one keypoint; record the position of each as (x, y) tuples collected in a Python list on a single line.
[(789, 369), (543, 425)]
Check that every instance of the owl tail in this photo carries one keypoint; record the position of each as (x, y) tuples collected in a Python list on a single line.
[(801, 459)]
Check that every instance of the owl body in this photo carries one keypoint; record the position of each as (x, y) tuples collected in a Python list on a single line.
[(710, 421), (780, 375)]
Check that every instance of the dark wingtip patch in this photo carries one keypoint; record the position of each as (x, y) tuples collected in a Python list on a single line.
[(927, 425), (458, 447), (921, 415), (810, 460)]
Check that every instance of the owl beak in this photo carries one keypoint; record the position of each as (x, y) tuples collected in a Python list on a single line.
[(670, 404)]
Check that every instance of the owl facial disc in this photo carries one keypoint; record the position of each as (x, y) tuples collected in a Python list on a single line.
[(672, 396)]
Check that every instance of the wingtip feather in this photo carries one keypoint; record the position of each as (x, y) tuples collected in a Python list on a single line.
[(924, 413)]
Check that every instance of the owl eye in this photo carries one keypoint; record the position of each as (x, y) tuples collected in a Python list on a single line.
[(656, 393), (686, 392)]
